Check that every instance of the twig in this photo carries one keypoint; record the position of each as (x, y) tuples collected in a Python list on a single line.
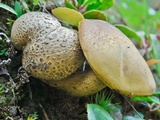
[(154, 109), (84, 65), (45, 114), (5, 71), (30, 91), (5, 62), (4, 109), (25, 5), (12, 82), (7, 39), (133, 107)]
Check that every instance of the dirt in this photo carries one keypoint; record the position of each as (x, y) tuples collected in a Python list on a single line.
[(35, 97)]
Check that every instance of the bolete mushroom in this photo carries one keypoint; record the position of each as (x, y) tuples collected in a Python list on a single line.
[(115, 59)]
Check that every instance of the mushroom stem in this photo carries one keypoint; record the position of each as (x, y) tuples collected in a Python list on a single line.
[(80, 83)]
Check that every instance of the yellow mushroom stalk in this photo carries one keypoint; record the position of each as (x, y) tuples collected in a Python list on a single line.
[(115, 59), (80, 83)]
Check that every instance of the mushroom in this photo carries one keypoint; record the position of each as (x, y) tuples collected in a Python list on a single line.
[(115, 59), (52, 53), (80, 83)]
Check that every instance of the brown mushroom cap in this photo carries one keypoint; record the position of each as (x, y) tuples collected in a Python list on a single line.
[(52, 51), (115, 59), (79, 83)]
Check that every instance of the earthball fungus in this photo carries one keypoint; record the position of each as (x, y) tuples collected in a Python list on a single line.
[(54, 54), (50, 51)]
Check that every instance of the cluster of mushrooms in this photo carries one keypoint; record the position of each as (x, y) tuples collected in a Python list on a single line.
[(53, 54)]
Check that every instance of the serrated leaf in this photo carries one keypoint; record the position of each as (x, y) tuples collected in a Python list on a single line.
[(152, 62), (96, 112), (8, 8), (129, 33), (71, 6), (100, 5), (95, 14), (68, 15), (18, 8)]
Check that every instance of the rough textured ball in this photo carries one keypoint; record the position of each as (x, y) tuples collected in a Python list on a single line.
[(50, 51)]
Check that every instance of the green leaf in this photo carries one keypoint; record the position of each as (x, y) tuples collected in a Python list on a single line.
[(80, 2), (129, 10), (156, 93), (8, 8), (33, 116), (103, 99), (35, 2), (129, 33), (95, 14), (116, 113), (152, 99), (155, 99), (71, 6), (96, 112), (88, 2), (18, 8), (141, 99), (26, 1), (155, 53), (68, 15), (99, 4), (3, 51), (131, 118)]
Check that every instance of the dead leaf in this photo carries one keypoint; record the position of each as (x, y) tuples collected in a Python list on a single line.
[(152, 62)]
